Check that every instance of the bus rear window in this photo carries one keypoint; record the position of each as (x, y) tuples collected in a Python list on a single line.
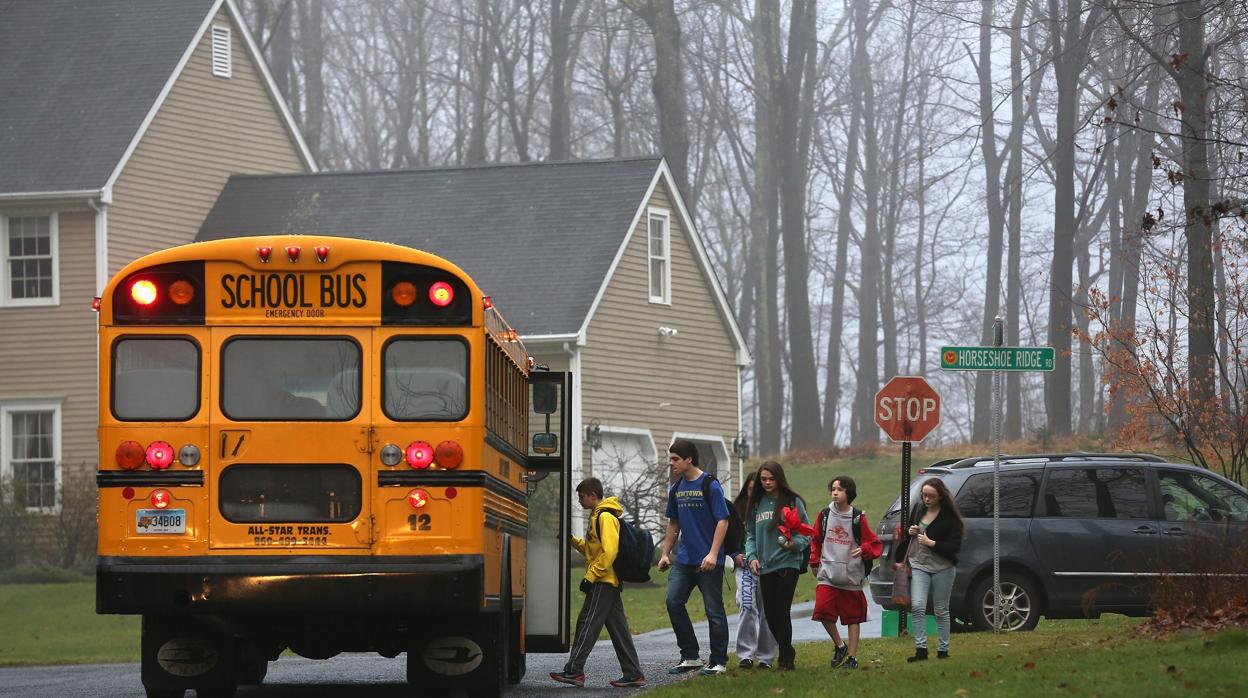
[(426, 380), (155, 379), (290, 493), (290, 379)]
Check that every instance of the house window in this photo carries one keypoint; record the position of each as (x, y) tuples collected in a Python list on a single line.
[(221, 60), (660, 257), (30, 464), (28, 274)]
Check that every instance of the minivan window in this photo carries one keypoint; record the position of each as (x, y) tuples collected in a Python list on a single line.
[(1096, 493), (1018, 495), (1191, 497)]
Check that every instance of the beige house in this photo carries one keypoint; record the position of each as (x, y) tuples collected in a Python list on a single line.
[(596, 263), (119, 124)]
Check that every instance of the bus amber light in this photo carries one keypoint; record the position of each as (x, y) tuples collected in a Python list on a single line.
[(130, 455), (161, 498), (159, 455), (448, 454), (181, 292), (441, 294), (403, 293), (419, 454), (418, 498), (143, 292)]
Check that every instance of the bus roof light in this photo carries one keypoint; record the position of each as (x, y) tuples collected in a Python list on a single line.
[(95, 303), (130, 455), (159, 455), (448, 454), (181, 292), (161, 499), (487, 302), (419, 454), (322, 253), (265, 253), (143, 292), (441, 294), (403, 293), (292, 253)]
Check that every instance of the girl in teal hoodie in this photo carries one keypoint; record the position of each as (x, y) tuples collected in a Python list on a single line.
[(776, 558)]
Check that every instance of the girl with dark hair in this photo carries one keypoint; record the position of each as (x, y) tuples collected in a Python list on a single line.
[(755, 645), (775, 557), (934, 540)]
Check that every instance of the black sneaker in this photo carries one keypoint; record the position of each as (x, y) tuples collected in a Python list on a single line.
[(568, 678), (627, 682), (940, 654), (839, 655), (920, 655), (745, 664), (764, 665), (850, 663)]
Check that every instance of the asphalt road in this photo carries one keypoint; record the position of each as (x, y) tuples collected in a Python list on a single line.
[(372, 676)]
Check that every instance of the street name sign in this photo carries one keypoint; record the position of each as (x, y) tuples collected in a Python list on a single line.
[(996, 358)]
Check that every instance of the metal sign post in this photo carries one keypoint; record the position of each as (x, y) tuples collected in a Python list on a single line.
[(998, 359)]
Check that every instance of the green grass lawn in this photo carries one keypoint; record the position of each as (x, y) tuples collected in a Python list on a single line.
[(57, 624), (1075, 657)]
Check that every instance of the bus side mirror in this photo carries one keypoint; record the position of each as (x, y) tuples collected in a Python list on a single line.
[(545, 443), (545, 398)]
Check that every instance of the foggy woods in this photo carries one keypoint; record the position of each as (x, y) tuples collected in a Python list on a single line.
[(872, 179)]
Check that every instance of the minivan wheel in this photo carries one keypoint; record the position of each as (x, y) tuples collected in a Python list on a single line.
[(1020, 607)]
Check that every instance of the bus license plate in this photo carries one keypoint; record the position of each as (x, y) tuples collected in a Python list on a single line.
[(161, 521)]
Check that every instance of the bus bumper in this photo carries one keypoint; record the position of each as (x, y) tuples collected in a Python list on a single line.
[(289, 584)]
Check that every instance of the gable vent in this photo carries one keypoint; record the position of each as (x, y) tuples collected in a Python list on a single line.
[(221, 51)]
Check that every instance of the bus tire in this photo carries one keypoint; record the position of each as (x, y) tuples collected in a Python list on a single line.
[(179, 652)]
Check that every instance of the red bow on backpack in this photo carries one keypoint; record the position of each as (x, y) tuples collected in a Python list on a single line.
[(792, 523)]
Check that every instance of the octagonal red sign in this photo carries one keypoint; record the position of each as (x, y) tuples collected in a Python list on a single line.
[(907, 408)]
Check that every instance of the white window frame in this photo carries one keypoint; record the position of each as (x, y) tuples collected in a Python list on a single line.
[(665, 254), (222, 61), (7, 409), (6, 301)]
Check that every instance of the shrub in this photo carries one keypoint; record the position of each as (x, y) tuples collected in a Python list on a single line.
[(41, 574)]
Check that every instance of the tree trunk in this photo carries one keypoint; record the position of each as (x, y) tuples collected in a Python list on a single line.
[(1014, 183), (669, 87), (561, 13), (865, 429), (312, 46), (845, 221), (481, 86), (981, 429)]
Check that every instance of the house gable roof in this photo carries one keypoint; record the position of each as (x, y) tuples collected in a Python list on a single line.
[(540, 238), (83, 78)]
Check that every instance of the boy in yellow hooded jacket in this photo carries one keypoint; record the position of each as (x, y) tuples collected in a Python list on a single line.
[(603, 603)]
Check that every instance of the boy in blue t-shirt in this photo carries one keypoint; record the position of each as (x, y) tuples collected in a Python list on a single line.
[(702, 526)]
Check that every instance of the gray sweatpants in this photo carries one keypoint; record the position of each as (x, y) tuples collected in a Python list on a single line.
[(754, 640), (603, 606)]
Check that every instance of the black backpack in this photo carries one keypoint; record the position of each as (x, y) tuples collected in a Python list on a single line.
[(636, 550), (734, 537), (855, 526)]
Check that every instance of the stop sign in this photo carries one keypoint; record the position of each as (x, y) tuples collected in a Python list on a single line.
[(907, 408)]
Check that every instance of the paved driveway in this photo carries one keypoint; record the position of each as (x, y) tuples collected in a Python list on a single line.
[(369, 675)]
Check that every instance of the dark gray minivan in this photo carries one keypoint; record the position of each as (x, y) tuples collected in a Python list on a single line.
[(1071, 524)]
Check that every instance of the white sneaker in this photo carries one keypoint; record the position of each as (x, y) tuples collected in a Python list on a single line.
[(686, 666), (714, 670)]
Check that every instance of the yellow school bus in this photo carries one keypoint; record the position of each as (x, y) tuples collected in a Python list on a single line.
[(326, 444)]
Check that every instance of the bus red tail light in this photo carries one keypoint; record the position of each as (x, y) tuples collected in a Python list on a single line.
[(418, 498), (143, 292), (449, 454), (265, 253), (292, 253), (419, 454), (130, 455), (403, 294), (159, 455), (161, 498), (322, 253), (441, 294)]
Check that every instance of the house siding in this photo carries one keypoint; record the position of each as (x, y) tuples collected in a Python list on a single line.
[(207, 129), (48, 352), (628, 370)]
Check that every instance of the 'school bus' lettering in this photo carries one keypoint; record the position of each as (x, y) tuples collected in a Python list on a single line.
[(343, 482)]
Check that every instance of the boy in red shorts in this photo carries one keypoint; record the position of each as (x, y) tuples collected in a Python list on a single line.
[(840, 555)]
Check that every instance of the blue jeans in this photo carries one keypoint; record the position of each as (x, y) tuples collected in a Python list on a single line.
[(680, 583), (939, 585)]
